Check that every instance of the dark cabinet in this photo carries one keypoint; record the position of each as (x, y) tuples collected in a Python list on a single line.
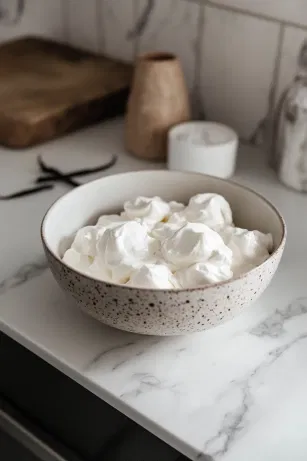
[(63, 414)]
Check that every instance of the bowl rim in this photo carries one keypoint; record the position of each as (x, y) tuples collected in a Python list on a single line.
[(168, 290), (177, 129)]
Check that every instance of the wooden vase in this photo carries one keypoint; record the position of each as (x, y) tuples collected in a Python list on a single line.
[(158, 100)]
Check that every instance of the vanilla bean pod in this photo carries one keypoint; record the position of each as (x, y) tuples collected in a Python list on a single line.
[(82, 172), (25, 192)]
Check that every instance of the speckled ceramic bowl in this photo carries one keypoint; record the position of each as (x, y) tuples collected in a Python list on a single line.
[(149, 311)]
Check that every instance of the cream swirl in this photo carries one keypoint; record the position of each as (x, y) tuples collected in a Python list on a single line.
[(210, 209), (122, 248), (250, 248), (76, 260), (213, 271), (153, 276), (85, 241), (150, 210), (192, 243)]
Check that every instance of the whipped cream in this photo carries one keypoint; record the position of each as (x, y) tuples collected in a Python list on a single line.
[(157, 244), (109, 221), (249, 248), (153, 276), (147, 210), (210, 209), (122, 248), (77, 260), (199, 274), (85, 241), (99, 271), (192, 243), (162, 231)]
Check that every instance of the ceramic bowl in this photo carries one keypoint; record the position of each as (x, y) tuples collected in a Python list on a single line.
[(152, 311)]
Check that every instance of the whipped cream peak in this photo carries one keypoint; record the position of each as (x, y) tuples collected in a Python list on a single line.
[(212, 271), (179, 218), (175, 207), (110, 220), (85, 241), (192, 243), (153, 276), (162, 230), (126, 242), (250, 248), (210, 209), (149, 209), (76, 260), (99, 271)]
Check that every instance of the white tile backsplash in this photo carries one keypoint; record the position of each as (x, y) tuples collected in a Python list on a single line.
[(232, 51), (236, 72), (44, 18), (285, 10), (172, 27), (117, 18), (83, 24)]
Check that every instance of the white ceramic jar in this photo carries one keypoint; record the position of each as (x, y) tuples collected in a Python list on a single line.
[(203, 147)]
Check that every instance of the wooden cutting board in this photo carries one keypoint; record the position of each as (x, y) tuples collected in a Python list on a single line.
[(47, 89)]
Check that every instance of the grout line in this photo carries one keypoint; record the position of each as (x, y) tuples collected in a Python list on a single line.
[(137, 9), (65, 4), (246, 142), (245, 12), (264, 126), (196, 91), (276, 71), (273, 103), (100, 34)]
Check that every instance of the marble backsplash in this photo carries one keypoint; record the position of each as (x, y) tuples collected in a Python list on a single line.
[(238, 55)]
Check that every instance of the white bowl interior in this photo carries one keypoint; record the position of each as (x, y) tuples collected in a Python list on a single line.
[(84, 204)]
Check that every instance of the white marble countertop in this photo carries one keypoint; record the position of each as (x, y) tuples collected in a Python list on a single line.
[(237, 392)]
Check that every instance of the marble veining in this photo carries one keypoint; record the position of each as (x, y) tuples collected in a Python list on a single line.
[(197, 101), (235, 392), (293, 12), (117, 20), (237, 420), (23, 275), (161, 378), (264, 127), (106, 352), (142, 20), (172, 26), (146, 383), (273, 326)]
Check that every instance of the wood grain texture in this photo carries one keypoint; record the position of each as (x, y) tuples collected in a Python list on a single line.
[(47, 89), (159, 100)]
